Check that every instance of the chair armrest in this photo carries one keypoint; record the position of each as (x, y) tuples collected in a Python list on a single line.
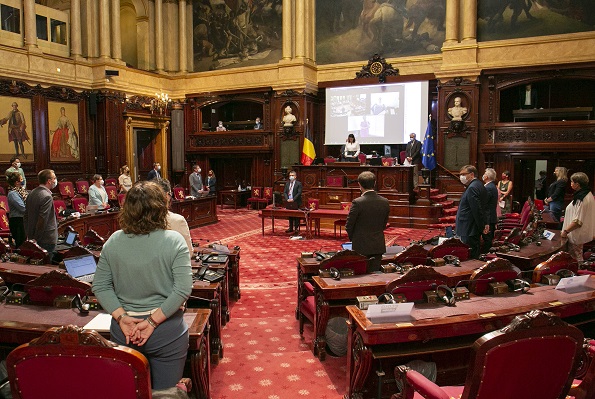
[(415, 382)]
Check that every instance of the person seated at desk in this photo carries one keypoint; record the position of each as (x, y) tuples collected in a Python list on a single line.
[(351, 150), (220, 127), (143, 278), (258, 124), (97, 193)]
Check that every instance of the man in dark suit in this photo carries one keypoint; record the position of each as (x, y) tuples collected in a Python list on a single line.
[(40, 217), (471, 216), (413, 153), (489, 177), (367, 220), (154, 173), (258, 124), (293, 200)]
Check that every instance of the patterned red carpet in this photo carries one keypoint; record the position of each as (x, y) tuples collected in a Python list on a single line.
[(265, 357)]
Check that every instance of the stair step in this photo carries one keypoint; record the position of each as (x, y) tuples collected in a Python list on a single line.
[(450, 211), (447, 219), (439, 197), (434, 191), (447, 204)]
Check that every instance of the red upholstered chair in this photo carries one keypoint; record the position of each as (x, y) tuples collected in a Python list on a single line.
[(82, 187), (2, 192), (111, 181), (538, 352), (329, 159), (179, 193), (79, 204), (556, 262), (388, 161), (59, 206), (415, 282), (121, 199), (4, 228), (256, 198), (497, 270), (4, 203), (313, 204), (345, 206), (66, 189), (451, 246), (415, 254), (112, 194), (402, 157), (267, 194), (585, 389), (32, 250), (362, 158), (59, 363)]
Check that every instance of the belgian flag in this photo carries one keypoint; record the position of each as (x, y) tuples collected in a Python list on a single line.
[(308, 152)]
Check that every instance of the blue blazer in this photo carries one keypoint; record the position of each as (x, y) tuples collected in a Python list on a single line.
[(471, 216), (492, 203)]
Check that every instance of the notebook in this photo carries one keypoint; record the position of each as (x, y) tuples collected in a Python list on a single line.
[(68, 241), (81, 268)]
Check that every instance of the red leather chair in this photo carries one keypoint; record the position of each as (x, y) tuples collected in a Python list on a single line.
[(179, 193), (556, 262), (59, 206), (112, 194), (450, 246), (402, 157), (256, 198), (59, 363), (4, 203), (362, 158), (497, 270), (346, 206), (82, 187), (415, 282), (4, 228), (539, 352), (388, 161), (66, 189), (415, 254), (79, 204), (111, 181), (267, 194)]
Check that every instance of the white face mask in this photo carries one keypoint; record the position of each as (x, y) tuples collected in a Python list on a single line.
[(198, 171), (463, 179), (159, 167), (292, 178), (101, 182), (54, 183), (18, 164)]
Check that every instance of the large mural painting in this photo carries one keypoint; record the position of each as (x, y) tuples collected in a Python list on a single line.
[(353, 30), (509, 19), (236, 33)]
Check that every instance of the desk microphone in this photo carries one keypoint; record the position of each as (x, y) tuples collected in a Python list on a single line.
[(421, 241)]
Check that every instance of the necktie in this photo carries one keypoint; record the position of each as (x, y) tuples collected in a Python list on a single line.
[(291, 190)]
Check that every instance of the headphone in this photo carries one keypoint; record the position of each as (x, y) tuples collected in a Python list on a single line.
[(518, 285), (446, 295), (335, 273), (386, 298), (452, 260), (563, 273)]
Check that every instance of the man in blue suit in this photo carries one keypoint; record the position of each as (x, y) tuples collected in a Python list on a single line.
[(471, 216), (489, 177)]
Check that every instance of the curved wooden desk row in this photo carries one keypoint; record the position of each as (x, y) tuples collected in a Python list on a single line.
[(19, 324)]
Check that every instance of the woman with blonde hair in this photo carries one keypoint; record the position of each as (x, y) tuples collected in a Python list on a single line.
[(143, 278), (556, 191), (124, 180)]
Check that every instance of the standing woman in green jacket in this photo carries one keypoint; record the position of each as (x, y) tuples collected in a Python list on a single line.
[(143, 278)]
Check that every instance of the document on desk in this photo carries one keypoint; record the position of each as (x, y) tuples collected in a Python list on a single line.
[(573, 284), (100, 323), (390, 313)]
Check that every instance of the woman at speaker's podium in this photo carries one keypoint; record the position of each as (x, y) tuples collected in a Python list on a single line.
[(351, 150)]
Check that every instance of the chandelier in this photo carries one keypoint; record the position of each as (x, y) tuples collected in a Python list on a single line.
[(159, 103)]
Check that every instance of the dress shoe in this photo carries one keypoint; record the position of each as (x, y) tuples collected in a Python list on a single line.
[(289, 231)]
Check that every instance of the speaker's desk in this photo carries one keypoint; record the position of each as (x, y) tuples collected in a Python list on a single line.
[(20, 324), (531, 255), (307, 215), (331, 296), (445, 334), (16, 273)]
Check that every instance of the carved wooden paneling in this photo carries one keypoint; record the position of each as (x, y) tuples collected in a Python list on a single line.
[(248, 141)]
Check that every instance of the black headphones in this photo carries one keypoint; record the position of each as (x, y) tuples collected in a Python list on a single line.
[(452, 260), (518, 285), (446, 295), (335, 273), (564, 273), (386, 298)]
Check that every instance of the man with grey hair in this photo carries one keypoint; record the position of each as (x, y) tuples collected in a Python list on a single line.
[(489, 176)]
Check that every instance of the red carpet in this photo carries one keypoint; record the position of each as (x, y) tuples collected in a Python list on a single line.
[(265, 357)]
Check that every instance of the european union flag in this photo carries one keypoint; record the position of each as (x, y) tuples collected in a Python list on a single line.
[(428, 158)]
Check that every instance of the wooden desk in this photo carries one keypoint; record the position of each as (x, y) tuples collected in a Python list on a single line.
[(197, 212), (233, 197), (18, 273), (224, 296), (233, 270), (309, 216), (332, 296), (20, 324), (532, 255), (445, 334)]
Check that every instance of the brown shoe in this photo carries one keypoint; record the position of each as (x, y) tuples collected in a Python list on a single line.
[(187, 382)]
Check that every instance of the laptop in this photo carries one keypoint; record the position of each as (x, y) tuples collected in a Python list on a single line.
[(81, 268), (69, 241), (347, 246)]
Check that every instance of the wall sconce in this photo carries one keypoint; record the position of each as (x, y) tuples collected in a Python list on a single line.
[(159, 103)]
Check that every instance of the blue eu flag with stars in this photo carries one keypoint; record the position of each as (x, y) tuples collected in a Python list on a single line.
[(428, 158)]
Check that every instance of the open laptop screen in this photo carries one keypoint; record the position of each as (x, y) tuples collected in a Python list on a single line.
[(80, 265)]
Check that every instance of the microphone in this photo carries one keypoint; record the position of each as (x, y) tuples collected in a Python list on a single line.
[(421, 241)]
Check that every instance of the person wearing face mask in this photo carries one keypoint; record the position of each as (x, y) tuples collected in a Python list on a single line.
[(17, 196), (15, 166), (491, 205), (195, 179), (40, 217), (258, 125), (471, 219), (155, 174), (413, 156), (97, 193), (212, 182), (367, 219), (293, 200), (124, 179), (220, 127), (555, 192), (579, 222), (505, 193)]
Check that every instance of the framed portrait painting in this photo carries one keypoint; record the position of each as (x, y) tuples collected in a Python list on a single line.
[(15, 129), (63, 121)]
